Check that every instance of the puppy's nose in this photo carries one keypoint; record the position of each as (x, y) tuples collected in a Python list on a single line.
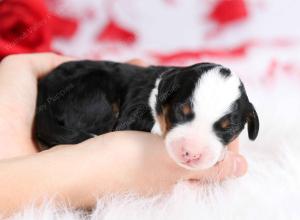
[(188, 151), (190, 157)]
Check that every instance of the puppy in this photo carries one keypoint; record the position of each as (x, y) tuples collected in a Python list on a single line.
[(198, 109)]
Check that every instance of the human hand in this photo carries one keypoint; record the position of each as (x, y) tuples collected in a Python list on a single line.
[(18, 92), (110, 163), (138, 162)]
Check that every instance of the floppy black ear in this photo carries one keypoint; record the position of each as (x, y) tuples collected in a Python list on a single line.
[(253, 122)]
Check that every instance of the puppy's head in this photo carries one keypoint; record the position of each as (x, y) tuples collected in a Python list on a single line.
[(199, 110)]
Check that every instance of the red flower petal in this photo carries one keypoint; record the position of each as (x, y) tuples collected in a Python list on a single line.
[(112, 32), (65, 27), (227, 11), (187, 55)]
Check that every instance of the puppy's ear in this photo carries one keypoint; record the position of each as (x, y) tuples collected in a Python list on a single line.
[(253, 122)]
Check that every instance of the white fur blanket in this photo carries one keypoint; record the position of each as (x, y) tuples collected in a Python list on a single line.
[(271, 188)]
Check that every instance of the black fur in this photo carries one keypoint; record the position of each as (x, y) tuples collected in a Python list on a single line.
[(241, 112), (86, 108)]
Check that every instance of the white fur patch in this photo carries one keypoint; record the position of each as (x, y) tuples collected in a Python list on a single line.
[(152, 103), (214, 94)]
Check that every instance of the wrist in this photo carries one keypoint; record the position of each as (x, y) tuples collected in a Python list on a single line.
[(95, 168)]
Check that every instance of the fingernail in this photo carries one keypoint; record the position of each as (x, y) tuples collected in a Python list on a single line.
[(238, 167)]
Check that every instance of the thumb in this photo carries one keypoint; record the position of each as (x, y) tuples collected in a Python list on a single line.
[(43, 63), (233, 165), (37, 63)]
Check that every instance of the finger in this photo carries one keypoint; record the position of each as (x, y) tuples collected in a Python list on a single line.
[(234, 165), (39, 63), (44, 63), (234, 146), (137, 62)]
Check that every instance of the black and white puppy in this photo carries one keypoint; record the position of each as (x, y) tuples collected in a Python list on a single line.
[(198, 109)]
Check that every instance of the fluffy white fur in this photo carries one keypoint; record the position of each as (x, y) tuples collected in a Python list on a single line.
[(270, 190)]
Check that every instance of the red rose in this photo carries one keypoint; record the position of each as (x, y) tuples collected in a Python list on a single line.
[(27, 26), (23, 27), (113, 32)]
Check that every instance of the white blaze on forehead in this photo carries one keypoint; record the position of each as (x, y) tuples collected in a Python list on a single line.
[(213, 95)]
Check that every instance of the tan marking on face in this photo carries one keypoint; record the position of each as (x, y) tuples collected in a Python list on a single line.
[(225, 123), (163, 121), (186, 109)]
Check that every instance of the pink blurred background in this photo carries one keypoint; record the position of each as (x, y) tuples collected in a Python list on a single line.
[(258, 39)]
